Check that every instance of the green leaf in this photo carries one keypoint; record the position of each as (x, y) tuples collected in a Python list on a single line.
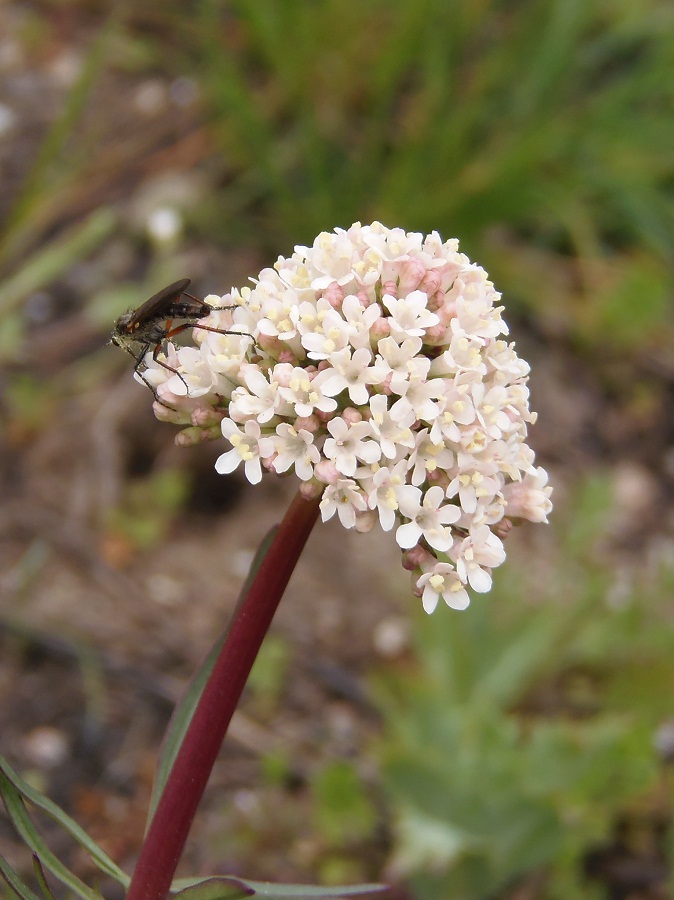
[(41, 878), (19, 817), (15, 883), (12, 783), (234, 888)]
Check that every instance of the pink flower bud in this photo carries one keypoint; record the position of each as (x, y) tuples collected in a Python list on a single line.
[(268, 462), (380, 329), (270, 345), (384, 387), (440, 477), (287, 356), (431, 282), (326, 472), (365, 521), (175, 416), (417, 557), (447, 311), (307, 423), (190, 437), (283, 374), (351, 415), (334, 294), (203, 416), (436, 335), (502, 528), (311, 489), (411, 273), (436, 300)]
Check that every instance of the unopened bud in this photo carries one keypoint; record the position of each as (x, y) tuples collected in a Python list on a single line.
[(334, 294), (307, 423), (351, 415), (326, 471), (411, 274), (190, 437), (365, 521)]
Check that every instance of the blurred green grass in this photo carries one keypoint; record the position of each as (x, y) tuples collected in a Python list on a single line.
[(539, 133)]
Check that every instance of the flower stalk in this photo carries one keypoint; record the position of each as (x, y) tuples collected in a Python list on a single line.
[(175, 811)]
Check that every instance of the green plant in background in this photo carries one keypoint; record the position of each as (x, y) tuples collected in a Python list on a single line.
[(525, 730), (541, 132), (148, 507)]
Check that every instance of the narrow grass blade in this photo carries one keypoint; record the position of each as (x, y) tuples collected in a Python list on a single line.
[(9, 777), (17, 813), (15, 883)]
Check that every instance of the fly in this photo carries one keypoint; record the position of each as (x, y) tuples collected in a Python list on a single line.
[(153, 324)]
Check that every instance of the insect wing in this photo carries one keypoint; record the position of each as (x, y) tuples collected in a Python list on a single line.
[(160, 306)]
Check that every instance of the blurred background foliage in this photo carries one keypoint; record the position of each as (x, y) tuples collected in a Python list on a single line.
[(523, 745)]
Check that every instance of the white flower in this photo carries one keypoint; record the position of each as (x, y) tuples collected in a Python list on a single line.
[(360, 320), (388, 487), (418, 398), (304, 392), (351, 372), (529, 498), (224, 353), (295, 448), (194, 377), (247, 446), (476, 555), (475, 310), (396, 359), (391, 433), (409, 315), (456, 409), (430, 516), (442, 581), (428, 456), (331, 335), (279, 312), (465, 354), (477, 480), (372, 364), (347, 445), (391, 243), (344, 498), (259, 398)]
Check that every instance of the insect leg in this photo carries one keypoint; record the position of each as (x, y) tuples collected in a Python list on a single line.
[(140, 359), (165, 365)]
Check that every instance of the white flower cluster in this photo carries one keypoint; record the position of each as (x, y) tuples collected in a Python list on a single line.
[(372, 364)]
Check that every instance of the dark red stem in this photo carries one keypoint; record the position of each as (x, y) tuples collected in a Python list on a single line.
[(168, 831)]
